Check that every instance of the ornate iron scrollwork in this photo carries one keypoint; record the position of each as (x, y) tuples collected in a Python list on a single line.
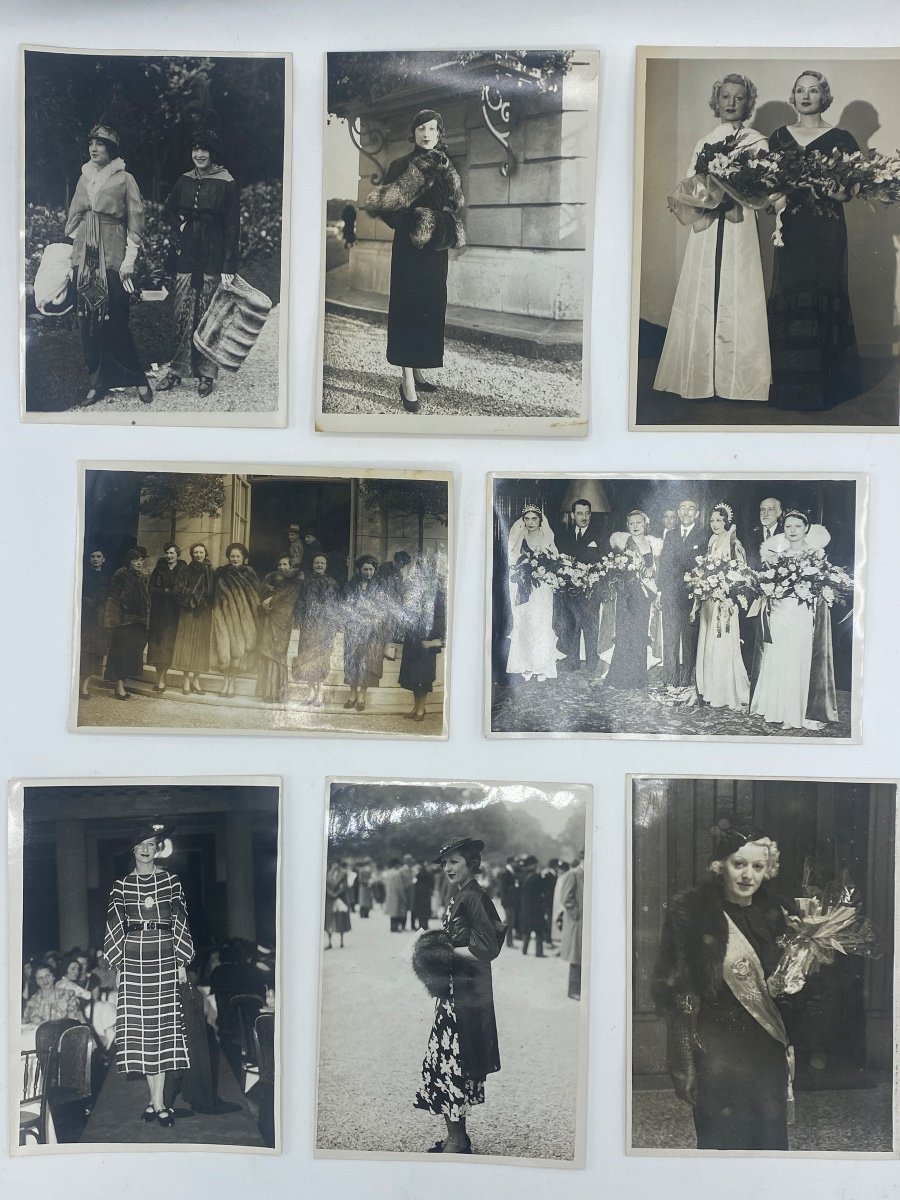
[(360, 130), (501, 107)]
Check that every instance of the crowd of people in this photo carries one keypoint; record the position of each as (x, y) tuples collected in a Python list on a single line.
[(196, 618), (539, 901), (773, 659)]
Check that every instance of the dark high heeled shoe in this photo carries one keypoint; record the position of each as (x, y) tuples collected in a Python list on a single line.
[(125, 697), (419, 718), (166, 1117), (169, 381), (197, 689), (205, 386), (145, 393), (360, 706), (149, 1114), (422, 385), (349, 704), (411, 406)]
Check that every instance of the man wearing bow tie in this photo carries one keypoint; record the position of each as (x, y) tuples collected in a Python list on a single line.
[(579, 614)]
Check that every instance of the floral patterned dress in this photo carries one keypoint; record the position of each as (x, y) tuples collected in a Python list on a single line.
[(445, 1090)]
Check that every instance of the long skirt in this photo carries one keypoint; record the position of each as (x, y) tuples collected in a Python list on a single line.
[(418, 666), (628, 669), (110, 354), (150, 1034), (126, 653), (417, 308), (192, 640), (445, 1090), (164, 620), (721, 676), (363, 660), (313, 661), (190, 305), (272, 680)]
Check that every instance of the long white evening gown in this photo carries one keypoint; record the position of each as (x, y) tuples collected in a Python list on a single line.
[(782, 690), (533, 649), (721, 676), (724, 350)]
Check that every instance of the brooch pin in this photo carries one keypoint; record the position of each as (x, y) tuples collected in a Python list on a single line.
[(148, 902), (741, 968)]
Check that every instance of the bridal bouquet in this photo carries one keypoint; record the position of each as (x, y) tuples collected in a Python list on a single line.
[(617, 569), (732, 583), (727, 171), (829, 924), (537, 569), (808, 577)]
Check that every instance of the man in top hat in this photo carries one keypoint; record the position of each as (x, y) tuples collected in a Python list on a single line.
[(532, 906)]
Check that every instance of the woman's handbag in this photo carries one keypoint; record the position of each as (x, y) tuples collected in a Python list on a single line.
[(230, 326)]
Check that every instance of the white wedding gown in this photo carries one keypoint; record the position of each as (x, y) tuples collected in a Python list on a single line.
[(724, 350), (533, 647), (782, 690), (721, 677)]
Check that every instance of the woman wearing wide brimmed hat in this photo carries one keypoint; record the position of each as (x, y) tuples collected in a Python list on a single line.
[(205, 210), (149, 944), (455, 965), (106, 221), (421, 199)]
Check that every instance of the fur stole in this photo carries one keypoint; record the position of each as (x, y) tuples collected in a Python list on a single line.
[(194, 585), (693, 943), (427, 189), (435, 963)]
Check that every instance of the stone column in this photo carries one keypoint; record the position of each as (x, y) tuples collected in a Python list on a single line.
[(241, 907), (72, 884)]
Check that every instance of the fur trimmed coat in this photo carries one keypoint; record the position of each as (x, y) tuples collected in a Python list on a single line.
[(421, 199)]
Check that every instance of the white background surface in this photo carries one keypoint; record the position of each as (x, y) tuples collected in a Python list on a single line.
[(39, 552)]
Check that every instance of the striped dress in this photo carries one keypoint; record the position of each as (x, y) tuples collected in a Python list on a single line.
[(150, 1034)]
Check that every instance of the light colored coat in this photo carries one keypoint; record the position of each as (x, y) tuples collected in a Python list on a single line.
[(572, 900)]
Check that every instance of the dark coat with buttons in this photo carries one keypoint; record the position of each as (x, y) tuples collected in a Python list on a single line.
[(472, 921)]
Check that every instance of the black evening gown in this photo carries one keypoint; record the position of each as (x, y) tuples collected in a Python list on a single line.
[(628, 668), (742, 1070), (815, 360)]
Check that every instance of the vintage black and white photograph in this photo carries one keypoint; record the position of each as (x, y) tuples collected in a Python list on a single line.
[(766, 281), (155, 200), (458, 210), (762, 998), (454, 978), (143, 1005), (289, 600), (676, 606)]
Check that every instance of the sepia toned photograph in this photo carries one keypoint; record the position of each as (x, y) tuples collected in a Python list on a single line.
[(143, 1005), (224, 600), (154, 202), (766, 277), (676, 606), (763, 1014), (458, 196), (455, 973)]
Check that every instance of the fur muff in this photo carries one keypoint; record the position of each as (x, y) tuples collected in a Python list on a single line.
[(434, 962), (693, 943), (436, 230), (428, 188)]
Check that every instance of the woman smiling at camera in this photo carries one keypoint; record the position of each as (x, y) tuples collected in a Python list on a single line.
[(463, 1048), (728, 1049)]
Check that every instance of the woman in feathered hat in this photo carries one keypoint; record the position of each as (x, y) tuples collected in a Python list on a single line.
[(463, 1048), (205, 211), (149, 945), (728, 1049), (106, 223), (421, 199)]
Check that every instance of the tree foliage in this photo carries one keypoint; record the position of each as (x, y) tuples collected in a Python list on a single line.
[(166, 495), (360, 79), (66, 94), (423, 499)]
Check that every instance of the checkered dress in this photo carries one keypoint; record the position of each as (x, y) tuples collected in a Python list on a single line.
[(149, 1024)]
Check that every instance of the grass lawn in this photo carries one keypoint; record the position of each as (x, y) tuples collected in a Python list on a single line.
[(55, 375)]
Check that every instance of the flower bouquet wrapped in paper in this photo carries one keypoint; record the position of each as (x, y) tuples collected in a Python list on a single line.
[(729, 175), (729, 581), (829, 924), (614, 570), (809, 577)]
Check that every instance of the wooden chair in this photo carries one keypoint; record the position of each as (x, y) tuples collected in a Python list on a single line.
[(61, 1084)]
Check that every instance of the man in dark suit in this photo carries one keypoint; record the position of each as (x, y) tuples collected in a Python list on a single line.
[(771, 522), (532, 906), (681, 547), (508, 888), (579, 614)]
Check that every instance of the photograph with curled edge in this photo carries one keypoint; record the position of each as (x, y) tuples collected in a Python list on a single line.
[(455, 971), (458, 217), (676, 606), (144, 992), (155, 205), (762, 997), (766, 268), (237, 599)]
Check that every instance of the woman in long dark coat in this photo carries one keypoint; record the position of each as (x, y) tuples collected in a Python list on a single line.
[(126, 617), (164, 612), (194, 589), (205, 211), (424, 625), (276, 624), (106, 224), (728, 1048), (316, 617), (366, 621), (94, 638), (421, 199), (235, 621), (463, 1048), (148, 943)]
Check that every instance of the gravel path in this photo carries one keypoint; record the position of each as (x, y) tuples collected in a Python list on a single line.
[(254, 388), (474, 381), (367, 1082), (579, 703)]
